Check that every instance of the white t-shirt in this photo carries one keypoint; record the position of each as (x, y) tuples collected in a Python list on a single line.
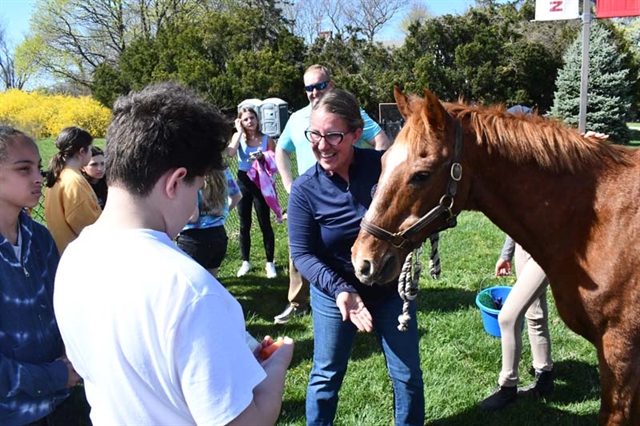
[(155, 337)]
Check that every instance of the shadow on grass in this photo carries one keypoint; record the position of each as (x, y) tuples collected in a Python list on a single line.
[(293, 411), (575, 382), (524, 413), (445, 299)]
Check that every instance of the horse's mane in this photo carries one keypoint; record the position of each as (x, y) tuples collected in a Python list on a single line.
[(523, 138)]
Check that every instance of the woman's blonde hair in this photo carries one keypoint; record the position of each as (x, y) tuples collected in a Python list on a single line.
[(214, 193)]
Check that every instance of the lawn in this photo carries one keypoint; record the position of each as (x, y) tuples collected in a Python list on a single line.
[(460, 360)]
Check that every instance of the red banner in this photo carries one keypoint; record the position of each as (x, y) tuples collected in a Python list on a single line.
[(617, 8)]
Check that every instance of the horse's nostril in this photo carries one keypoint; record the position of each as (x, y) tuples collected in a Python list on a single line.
[(365, 268)]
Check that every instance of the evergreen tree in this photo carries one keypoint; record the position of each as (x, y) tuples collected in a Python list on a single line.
[(609, 88)]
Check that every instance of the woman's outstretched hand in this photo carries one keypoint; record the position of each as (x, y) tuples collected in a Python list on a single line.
[(352, 307)]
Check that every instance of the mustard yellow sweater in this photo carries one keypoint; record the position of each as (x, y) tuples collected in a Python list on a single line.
[(69, 206)]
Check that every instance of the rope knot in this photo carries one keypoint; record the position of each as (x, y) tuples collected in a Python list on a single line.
[(408, 285)]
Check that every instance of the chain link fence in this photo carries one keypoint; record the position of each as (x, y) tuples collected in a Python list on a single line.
[(233, 222)]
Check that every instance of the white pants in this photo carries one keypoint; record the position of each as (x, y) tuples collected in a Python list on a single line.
[(528, 297)]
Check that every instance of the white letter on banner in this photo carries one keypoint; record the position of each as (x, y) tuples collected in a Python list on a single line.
[(553, 10)]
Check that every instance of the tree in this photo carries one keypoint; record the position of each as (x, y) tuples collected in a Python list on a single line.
[(70, 38), (225, 56), (608, 87), (418, 13), (342, 17), (12, 75), (376, 15), (491, 54)]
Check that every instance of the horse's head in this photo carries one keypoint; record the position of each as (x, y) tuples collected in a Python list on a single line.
[(416, 191)]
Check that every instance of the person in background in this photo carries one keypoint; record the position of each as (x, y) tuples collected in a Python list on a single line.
[(326, 205), (69, 202), (249, 144), (36, 374), (156, 338), (204, 237), (528, 298), (94, 174), (317, 82)]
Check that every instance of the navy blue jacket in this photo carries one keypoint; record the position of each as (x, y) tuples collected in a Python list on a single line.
[(323, 219), (32, 382)]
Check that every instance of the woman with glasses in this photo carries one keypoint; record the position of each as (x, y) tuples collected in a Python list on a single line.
[(326, 206), (249, 143)]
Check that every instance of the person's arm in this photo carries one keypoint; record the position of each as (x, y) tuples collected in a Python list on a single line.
[(232, 149), (233, 190), (81, 205), (303, 240), (267, 396), (283, 161), (32, 379), (271, 145), (234, 200), (372, 133), (503, 265), (380, 141)]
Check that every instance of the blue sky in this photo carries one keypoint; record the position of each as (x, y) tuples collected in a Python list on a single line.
[(14, 14)]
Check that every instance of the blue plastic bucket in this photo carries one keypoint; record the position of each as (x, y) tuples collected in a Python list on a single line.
[(489, 315)]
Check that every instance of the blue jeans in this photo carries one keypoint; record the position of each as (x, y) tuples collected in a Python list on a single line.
[(333, 340)]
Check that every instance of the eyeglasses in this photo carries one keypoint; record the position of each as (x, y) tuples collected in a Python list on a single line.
[(332, 138), (319, 86)]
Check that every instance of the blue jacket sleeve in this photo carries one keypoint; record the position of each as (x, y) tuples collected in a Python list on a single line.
[(41, 379), (33, 380), (304, 235)]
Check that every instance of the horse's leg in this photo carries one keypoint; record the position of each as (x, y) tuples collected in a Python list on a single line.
[(619, 379)]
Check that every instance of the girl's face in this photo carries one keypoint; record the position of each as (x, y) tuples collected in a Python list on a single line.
[(95, 168), (20, 177), (249, 120)]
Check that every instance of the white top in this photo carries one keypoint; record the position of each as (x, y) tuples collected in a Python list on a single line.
[(157, 339)]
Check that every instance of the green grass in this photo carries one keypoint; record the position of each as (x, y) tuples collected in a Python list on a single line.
[(460, 360)]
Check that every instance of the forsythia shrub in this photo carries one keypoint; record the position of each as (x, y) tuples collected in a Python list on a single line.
[(41, 115)]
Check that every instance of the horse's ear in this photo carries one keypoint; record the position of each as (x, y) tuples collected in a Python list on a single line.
[(402, 101), (435, 111)]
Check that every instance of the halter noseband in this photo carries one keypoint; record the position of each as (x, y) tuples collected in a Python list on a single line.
[(402, 239)]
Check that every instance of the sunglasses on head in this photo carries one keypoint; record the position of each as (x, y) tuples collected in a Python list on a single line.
[(319, 86)]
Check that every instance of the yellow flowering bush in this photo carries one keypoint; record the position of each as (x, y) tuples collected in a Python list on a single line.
[(41, 115)]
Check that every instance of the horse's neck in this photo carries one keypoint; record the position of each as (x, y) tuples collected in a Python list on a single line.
[(548, 214)]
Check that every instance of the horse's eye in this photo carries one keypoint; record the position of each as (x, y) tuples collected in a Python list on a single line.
[(420, 177)]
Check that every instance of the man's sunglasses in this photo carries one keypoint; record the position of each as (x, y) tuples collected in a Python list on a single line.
[(319, 86)]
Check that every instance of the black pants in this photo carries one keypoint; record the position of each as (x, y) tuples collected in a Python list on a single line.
[(251, 196), (207, 246)]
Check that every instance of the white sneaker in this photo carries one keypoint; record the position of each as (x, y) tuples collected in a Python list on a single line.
[(271, 270), (246, 267)]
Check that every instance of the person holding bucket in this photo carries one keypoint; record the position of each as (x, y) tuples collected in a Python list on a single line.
[(528, 297)]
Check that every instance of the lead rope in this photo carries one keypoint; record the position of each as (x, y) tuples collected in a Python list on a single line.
[(408, 285)]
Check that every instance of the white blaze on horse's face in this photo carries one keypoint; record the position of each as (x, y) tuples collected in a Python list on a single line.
[(393, 158)]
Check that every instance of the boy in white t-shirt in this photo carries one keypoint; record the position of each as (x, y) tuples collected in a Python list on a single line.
[(155, 337)]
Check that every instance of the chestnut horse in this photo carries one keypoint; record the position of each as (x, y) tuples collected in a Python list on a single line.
[(572, 202)]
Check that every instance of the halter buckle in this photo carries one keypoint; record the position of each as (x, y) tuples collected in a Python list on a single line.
[(456, 171)]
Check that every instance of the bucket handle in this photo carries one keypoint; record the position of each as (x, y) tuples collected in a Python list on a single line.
[(486, 277)]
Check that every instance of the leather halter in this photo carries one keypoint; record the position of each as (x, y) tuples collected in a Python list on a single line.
[(402, 239)]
